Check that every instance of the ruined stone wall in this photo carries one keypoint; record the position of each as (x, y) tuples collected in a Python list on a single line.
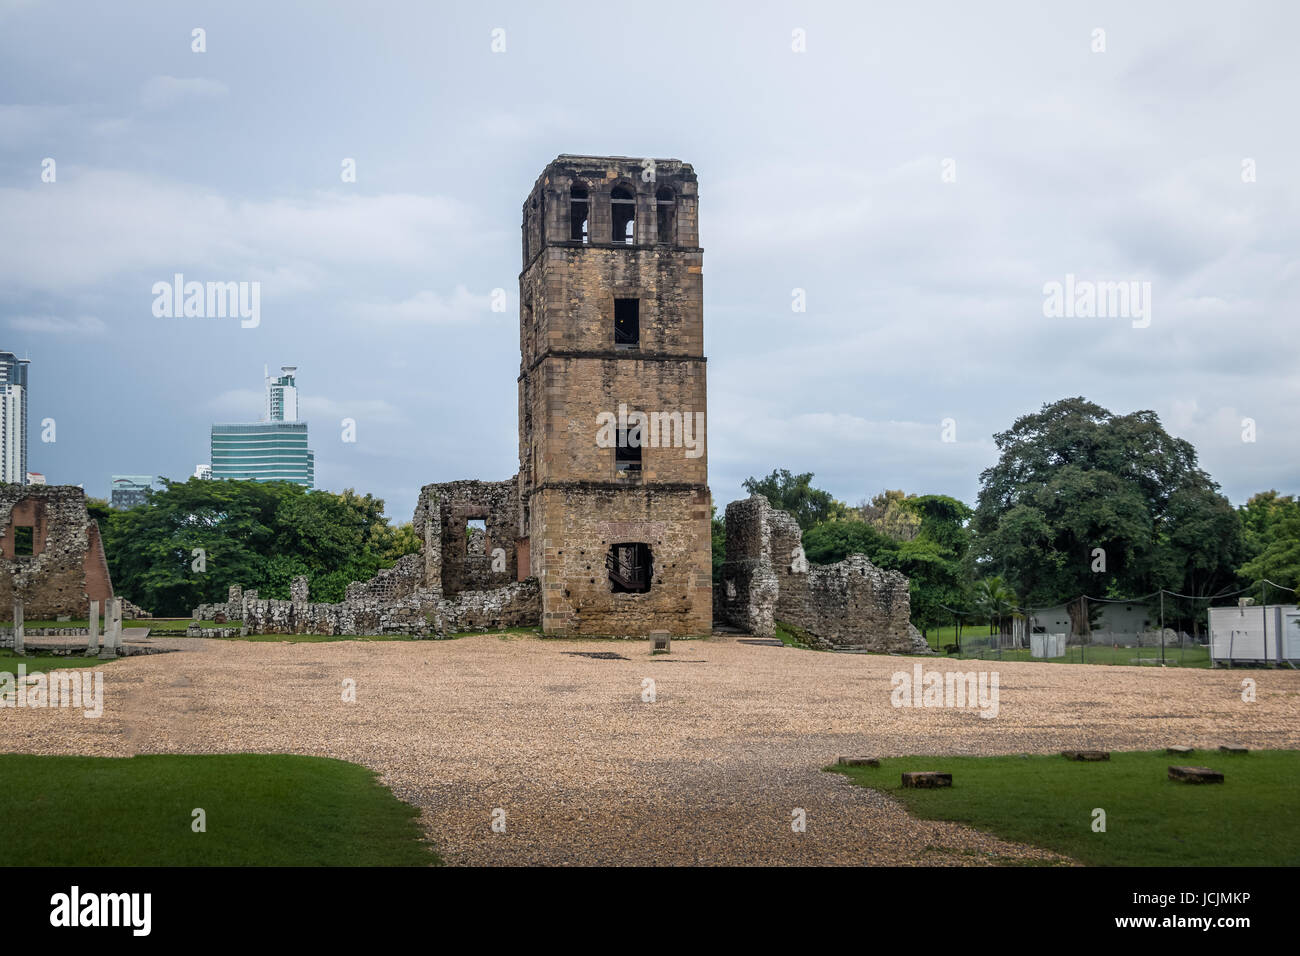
[(66, 569), (421, 613), (583, 522), (441, 518), (749, 584), (849, 605)]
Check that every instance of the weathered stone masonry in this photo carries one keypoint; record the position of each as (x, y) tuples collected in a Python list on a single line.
[(849, 605), (64, 568)]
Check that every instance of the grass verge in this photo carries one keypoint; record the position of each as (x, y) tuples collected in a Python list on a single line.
[(261, 810), (1049, 801)]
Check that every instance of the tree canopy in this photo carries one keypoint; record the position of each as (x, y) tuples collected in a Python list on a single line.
[(1074, 478), (195, 539)]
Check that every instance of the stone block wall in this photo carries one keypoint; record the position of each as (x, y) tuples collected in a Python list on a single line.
[(581, 523), (66, 569), (849, 605)]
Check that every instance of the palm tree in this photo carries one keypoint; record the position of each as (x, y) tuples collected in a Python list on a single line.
[(995, 600)]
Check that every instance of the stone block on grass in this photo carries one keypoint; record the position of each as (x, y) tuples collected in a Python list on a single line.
[(1086, 755), (1195, 775), (926, 779), (859, 762)]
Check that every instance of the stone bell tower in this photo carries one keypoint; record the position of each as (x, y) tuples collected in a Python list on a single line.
[(613, 466)]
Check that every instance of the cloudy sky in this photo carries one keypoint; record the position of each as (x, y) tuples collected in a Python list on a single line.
[(921, 171)]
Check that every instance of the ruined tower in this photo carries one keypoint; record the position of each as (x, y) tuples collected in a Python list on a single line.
[(613, 469)]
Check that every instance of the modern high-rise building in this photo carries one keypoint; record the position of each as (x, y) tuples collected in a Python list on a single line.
[(13, 419), (274, 449), (282, 396), (127, 491)]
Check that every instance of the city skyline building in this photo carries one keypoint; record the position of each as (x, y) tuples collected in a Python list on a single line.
[(13, 419), (274, 449)]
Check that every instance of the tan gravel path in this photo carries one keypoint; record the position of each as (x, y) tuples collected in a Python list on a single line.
[(587, 772)]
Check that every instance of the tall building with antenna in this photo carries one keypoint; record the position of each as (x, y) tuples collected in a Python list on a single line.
[(274, 449)]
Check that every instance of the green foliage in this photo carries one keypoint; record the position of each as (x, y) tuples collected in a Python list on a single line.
[(1271, 528), (932, 560), (1073, 478), (795, 494), (258, 535), (891, 513)]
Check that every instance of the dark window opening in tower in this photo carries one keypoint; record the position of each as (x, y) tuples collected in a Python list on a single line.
[(622, 208), (666, 209), (578, 212), (627, 457), (627, 323), (630, 568), (25, 538)]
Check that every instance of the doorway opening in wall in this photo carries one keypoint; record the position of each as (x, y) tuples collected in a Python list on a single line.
[(24, 541), (630, 567), (476, 536), (627, 323)]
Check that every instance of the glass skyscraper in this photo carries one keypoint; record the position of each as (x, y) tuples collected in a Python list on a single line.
[(271, 450), (13, 419)]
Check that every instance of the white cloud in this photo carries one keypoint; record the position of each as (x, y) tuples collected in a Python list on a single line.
[(95, 224), (430, 307)]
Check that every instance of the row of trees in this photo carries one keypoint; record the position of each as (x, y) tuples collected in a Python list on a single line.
[(195, 539), (1080, 501)]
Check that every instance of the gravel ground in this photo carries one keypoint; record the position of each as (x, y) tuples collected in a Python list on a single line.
[(588, 773)]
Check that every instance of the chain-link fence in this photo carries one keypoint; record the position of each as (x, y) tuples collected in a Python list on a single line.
[(1161, 629)]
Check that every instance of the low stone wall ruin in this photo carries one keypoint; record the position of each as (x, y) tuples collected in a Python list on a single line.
[(851, 605)]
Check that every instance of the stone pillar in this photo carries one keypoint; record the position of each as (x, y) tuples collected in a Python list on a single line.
[(18, 625), (299, 590), (92, 629), (112, 628)]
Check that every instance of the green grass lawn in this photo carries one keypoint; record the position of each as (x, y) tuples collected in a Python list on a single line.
[(262, 810), (9, 662), (1191, 655), (1048, 801)]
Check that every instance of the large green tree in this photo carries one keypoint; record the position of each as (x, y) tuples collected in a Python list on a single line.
[(194, 539), (1271, 528), (1083, 501), (795, 494)]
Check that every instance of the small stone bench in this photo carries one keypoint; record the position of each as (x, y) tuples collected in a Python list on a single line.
[(858, 762), (1195, 775), (1086, 755), (1178, 751), (926, 780), (1234, 749)]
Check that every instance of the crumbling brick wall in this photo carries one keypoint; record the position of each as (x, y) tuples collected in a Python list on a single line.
[(66, 569), (849, 605)]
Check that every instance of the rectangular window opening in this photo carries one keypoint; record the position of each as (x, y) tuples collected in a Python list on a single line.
[(631, 567), (25, 540), (627, 323), (627, 458)]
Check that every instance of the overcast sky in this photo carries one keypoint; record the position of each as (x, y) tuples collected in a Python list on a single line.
[(821, 170)]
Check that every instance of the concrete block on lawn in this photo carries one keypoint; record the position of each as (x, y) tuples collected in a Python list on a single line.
[(858, 762), (926, 779), (1179, 751), (1088, 756), (1195, 775), (1233, 749)]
